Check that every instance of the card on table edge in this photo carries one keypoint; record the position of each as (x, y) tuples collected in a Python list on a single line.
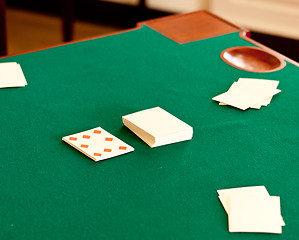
[(11, 75)]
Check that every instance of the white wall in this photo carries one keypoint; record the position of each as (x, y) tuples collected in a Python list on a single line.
[(175, 6), (277, 17)]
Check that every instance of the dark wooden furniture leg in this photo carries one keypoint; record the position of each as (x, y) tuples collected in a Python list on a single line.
[(142, 4), (3, 44), (68, 19)]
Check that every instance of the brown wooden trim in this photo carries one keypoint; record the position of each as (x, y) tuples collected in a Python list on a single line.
[(183, 18), (71, 42), (224, 20), (199, 12), (174, 26), (184, 28), (246, 35), (252, 59)]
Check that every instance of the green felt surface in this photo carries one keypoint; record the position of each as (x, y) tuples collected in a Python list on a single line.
[(49, 190)]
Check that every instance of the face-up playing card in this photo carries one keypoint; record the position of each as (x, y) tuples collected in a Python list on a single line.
[(98, 144)]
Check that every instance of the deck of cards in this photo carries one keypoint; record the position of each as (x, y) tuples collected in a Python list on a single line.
[(98, 144), (11, 75), (249, 93), (252, 209), (157, 127)]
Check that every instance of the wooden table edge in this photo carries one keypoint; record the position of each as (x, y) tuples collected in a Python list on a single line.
[(244, 34)]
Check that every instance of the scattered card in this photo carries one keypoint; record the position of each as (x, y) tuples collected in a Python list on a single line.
[(255, 214), (11, 75), (98, 144), (260, 83), (226, 194), (157, 127), (249, 93), (252, 209)]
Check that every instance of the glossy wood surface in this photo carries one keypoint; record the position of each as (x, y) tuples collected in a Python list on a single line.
[(192, 26), (252, 59)]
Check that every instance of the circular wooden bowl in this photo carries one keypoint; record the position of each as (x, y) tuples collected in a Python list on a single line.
[(252, 59)]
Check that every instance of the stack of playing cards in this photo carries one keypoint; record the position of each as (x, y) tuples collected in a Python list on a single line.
[(156, 127), (98, 144), (252, 209), (249, 93), (11, 75)]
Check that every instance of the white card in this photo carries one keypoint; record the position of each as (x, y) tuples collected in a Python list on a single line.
[(243, 97), (255, 214), (226, 194), (258, 84), (11, 75), (253, 191), (249, 93), (157, 127), (98, 144)]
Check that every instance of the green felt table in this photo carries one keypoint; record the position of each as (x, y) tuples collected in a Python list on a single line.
[(49, 190)]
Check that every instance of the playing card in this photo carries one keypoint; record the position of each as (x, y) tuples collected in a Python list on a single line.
[(243, 97), (255, 214), (226, 194), (157, 127), (249, 93), (260, 84), (11, 75), (98, 144), (253, 191)]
